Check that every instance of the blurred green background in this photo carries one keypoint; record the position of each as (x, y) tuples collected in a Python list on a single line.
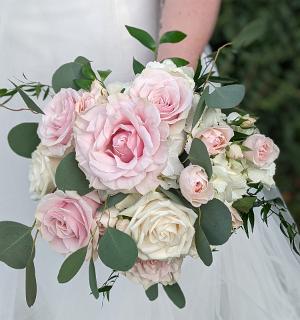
[(270, 69)]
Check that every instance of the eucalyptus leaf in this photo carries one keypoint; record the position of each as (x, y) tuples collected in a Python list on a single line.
[(244, 204), (176, 295), (23, 139), (172, 37), (143, 37), (16, 244), (72, 265), (216, 222), (173, 195), (88, 72), (117, 250), (152, 292), (199, 156), (103, 74), (113, 200), (31, 286), (68, 176), (82, 60), (65, 75), (225, 97), (202, 245), (84, 84), (179, 61), (200, 108), (137, 66), (29, 102), (93, 279)]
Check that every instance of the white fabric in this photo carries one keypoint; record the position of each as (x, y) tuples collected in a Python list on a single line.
[(249, 279)]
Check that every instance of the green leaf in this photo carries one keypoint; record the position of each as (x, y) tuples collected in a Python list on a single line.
[(3, 92), (72, 265), (137, 66), (244, 204), (222, 80), (199, 156), (173, 195), (103, 74), (175, 294), (225, 97), (113, 200), (216, 222), (172, 37), (152, 292), (84, 84), (239, 136), (82, 60), (198, 69), (68, 176), (65, 75), (23, 139), (31, 286), (29, 102), (117, 250), (143, 37), (88, 72), (179, 61), (202, 245), (249, 34), (16, 244), (200, 108), (93, 279)]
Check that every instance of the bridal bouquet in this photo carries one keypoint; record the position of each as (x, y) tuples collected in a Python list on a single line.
[(138, 175)]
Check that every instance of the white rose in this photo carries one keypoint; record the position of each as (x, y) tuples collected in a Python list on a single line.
[(42, 173), (263, 175), (228, 179), (161, 228), (235, 152), (107, 218), (149, 272)]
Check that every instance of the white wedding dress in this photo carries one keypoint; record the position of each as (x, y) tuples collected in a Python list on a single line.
[(249, 279)]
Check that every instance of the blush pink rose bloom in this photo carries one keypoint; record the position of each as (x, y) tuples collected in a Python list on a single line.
[(56, 127), (216, 139), (170, 93), (122, 146), (263, 150), (194, 185), (66, 220), (149, 272)]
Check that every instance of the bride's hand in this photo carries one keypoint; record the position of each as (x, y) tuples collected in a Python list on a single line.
[(196, 18)]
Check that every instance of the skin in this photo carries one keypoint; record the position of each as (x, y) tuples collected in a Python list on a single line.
[(196, 18)]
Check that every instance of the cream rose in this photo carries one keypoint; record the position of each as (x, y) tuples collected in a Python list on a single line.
[(42, 173), (237, 221), (161, 228), (194, 185)]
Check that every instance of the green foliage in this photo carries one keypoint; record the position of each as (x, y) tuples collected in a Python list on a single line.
[(103, 74), (199, 156), (68, 176), (152, 292), (244, 204), (113, 200), (117, 250), (72, 265), (200, 108), (137, 66), (270, 69), (202, 244), (179, 61), (30, 284), (65, 75), (176, 295), (29, 102), (23, 139), (16, 244), (172, 37), (93, 279), (143, 37)]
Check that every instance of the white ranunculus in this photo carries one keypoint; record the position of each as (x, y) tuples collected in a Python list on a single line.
[(174, 167), (42, 173), (263, 175), (228, 179), (161, 228)]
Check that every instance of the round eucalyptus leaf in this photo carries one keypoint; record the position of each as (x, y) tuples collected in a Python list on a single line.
[(176, 295), (216, 222), (23, 139), (65, 75), (152, 292), (225, 97), (202, 245), (16, 244), (30, 285), (68, 176), (117, 250)]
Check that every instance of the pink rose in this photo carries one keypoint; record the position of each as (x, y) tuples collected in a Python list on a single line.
[(149, 272), (263, 150), (122, 146), (216, 139), (237, 221), (56, 128), (194, 185), (170, 93), (66, 220)]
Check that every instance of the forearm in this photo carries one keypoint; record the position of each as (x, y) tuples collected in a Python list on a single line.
[(196, 18)]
